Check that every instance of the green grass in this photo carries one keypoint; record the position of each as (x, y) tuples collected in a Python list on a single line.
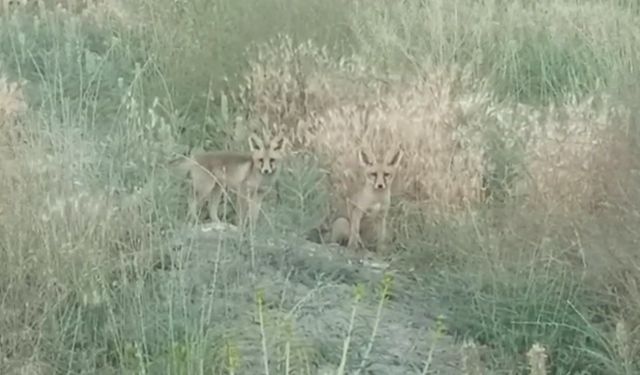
[(533, 53), (90, 281)]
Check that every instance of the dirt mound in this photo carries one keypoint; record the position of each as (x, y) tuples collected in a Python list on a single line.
[(310, 289)]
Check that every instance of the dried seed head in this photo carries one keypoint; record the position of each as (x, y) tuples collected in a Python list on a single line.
[(623, 345), (537, 358), (333, 108), (471, 363)]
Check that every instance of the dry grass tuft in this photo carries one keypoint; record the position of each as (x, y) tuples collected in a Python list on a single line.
[(327, 108), (537, 358), (623, 342), (471, 362), (13, 107), (444, 159), (102, 12), (60, 237), (60, 231), (27, 367), (577, 157), (565, 157), (108, 12), (288, 84)]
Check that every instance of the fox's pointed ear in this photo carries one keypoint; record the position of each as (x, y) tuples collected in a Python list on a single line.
[(277, 143), (255, 143), (394, 160), (365, 158)]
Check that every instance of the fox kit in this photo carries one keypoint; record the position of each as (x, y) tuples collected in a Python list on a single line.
[(242, 172), (373, 199)]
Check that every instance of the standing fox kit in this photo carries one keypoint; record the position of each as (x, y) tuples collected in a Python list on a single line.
[(241, 172), (373, 199)]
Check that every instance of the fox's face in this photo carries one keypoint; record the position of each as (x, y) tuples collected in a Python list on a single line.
[(266, 157), (380, 174)]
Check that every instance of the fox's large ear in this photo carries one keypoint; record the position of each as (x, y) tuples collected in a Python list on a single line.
[(255, 143), (365, 158), (277, 143), (394, 160)]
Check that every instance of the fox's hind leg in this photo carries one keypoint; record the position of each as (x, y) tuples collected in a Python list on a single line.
[(340, 231), (203, 186), (214, 202)]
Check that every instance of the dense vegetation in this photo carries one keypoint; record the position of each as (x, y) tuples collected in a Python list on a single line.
[(519, 216)]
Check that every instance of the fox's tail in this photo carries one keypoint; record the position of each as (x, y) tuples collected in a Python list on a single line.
[(181, 163), (340, 230)]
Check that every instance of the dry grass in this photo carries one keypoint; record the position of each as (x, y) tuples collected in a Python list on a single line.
[(100, 12), (61, 235), (80, 197), (12, 110), (537, 359), (569, 156), (444, 161), (287, 84), (577, 156), (335, 109)]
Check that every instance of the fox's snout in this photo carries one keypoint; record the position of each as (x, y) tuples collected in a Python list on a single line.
[(379, 180), (380, 183), (267, 167)]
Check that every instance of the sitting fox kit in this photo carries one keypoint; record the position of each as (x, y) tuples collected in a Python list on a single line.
[(373, 199), (241, 172)]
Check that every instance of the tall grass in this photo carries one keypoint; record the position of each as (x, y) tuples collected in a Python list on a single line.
[(534, 53), (90, 279)]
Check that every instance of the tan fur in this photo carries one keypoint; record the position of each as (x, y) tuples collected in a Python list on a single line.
[(244, 173), (372, 200)]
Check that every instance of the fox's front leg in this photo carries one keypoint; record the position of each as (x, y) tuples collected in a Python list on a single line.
[(382, 232), (242, 207), (198, 198), (248, 207), (354, 233), (254, 205)]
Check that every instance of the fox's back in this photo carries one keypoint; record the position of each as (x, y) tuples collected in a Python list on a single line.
[(231, 167), (218, 159)]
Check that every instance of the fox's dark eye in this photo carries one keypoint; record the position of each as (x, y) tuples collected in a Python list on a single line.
[(272, 160), (372, 175), (386, 175), (261, 160)]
